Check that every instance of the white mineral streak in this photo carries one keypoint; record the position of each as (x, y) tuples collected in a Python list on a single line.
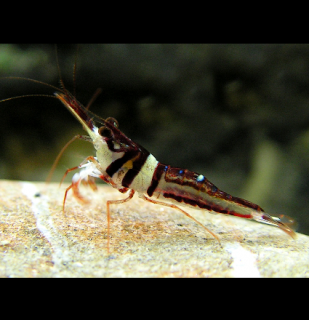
[(244, 263), (44, 222)]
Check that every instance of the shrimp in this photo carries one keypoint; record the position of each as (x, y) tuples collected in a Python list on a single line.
[(129, 167)]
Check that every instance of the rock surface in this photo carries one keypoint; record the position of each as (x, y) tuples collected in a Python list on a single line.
[(38, 240)]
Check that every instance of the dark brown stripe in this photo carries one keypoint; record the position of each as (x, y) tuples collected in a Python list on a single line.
[(185, 177), (137, 166), (131, 151), (118, 163), (156, 178), (188, 178), (205, 205)]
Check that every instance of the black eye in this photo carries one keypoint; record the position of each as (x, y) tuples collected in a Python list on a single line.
[(113, 121), (105, 132)]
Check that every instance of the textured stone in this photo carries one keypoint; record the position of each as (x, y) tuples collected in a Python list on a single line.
[(38, 240)]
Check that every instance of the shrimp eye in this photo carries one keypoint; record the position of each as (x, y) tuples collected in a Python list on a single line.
[(112, 121), (105, 132)]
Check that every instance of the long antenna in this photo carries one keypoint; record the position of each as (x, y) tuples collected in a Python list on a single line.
[(36, 81), (59, 71), (28, 95), (52, 169)]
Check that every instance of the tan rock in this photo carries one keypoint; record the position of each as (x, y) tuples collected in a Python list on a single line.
[(147, 240)]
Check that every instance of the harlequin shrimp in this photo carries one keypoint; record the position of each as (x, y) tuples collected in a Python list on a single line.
[(130, 168)]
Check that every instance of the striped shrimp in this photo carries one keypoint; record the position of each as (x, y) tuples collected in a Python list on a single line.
[(129, 167)]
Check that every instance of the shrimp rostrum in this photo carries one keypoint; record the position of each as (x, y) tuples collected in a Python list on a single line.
[(129, 167)]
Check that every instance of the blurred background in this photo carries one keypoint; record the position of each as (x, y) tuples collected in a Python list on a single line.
[(236, 113)]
